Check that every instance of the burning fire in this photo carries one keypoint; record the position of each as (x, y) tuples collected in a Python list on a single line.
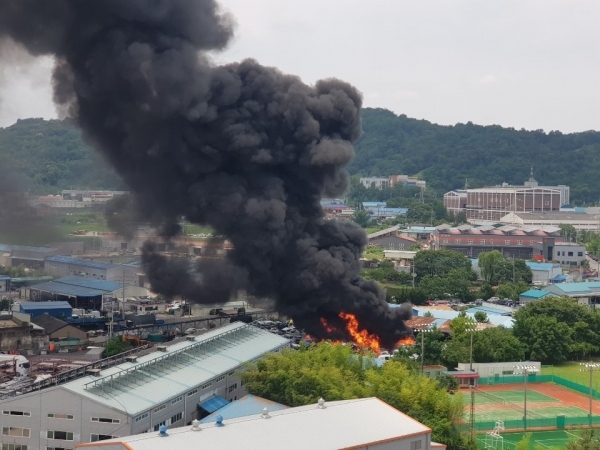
[(409, 340), (362, 338)]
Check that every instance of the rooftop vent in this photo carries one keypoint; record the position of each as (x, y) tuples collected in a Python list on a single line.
[(265, 413), (321, 404), (161, 348), (94, 372), (196, 425), (190, 338), (219, 422), (162, 431), (131, 359)]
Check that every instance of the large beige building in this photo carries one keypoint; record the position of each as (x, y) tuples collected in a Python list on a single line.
[(493, 203)]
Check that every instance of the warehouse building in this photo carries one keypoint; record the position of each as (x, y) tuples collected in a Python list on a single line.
[(366, 423), (60, 266), (82, 292), (21, 255), (171, 386), (58, 309)]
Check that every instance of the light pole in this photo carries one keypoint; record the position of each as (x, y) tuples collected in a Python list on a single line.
[(525, 370), (471, 328), (424, 329), (591, 368)]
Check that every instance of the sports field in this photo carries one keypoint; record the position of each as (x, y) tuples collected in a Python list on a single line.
[(546, 439), (544, 401)]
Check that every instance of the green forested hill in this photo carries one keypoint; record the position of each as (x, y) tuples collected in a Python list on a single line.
[(45, 156), (445, 156), (48, 155)]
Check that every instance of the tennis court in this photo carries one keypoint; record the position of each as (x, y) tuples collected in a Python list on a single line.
[(513, 395), (544, 439)]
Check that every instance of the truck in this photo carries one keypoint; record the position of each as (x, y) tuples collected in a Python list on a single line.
[(16, 365)]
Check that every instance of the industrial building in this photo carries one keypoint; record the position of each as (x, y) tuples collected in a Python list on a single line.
[(346, 424), (60, 266), (391, 181), (82, 292), (58, 309), (511, 241), (493, 203), (542, 273), (17, 333), (579, 221), (21, 255), (57, 329), (171, 386), (4, 283), (586, 293), (532, 295)]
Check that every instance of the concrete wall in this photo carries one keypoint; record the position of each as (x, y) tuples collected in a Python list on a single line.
[(498, 368), (69, 331)]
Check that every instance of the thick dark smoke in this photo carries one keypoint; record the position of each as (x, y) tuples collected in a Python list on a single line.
[(241, 147)]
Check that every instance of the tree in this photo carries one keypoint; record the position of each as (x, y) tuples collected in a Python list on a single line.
[(489, 263), (439, 262), (588, 440), (115, 346), (334, 372), (362, 218), (496, 344), (481, 317), (512, 290), (433, 343), (545, 339), (4, 304), (568, 232)]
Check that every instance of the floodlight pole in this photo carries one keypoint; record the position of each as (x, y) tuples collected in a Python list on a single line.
[(423, 330), (525, 370), (591, 368)]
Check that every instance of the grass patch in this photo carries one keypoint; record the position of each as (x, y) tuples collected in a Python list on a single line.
[(572, 371)]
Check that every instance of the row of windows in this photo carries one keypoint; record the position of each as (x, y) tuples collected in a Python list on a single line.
[(559, 253), (59, 435), (232, 388), (195, 391), (14, 447), (170, 421), (105, 420), (16, 413), (16, 431), (177, 400), (221, 378), (160, 408), (204, 386), (101, 437), (482, 241), (62, 416), (142, 417)]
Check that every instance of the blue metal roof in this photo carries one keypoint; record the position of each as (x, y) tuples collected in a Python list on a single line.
[(374, 204), (560, 278), (30, 306), (534, 293), (579, 287), (9, 248), (539, 266), (81, 262), (486, 309), (91, 283), (245, 406), (213, 404), (4, 277), (420, 229), (67, 289)]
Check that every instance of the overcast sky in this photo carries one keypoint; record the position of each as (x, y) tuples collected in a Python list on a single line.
[(523, 64)]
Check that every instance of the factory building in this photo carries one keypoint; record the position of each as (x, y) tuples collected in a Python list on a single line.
[(21, 255), (171, 386), (4, 283), (60, 266), (17, 333), (366, 423), (82, 292), (60, 310)]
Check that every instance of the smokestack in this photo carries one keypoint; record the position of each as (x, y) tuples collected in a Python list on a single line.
[(243, 148)]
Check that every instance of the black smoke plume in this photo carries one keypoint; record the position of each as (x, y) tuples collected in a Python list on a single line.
[(243, 148)]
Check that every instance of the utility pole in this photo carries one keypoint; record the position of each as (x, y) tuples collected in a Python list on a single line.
[(525, 370), (591, 368)]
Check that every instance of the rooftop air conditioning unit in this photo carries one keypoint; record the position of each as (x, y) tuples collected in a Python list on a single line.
[(190, 338), (94, 372), (131, 359), (161, 348)]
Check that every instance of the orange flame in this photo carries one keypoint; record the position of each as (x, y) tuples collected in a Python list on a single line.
[(362, 338), (328, 328), (409, 340)]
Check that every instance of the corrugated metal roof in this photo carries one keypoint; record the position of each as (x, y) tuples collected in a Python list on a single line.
[(30, 306), (81, 262), (245, 406), (534, 293), (149, 382), (578, 287), (383, 232), (370, 420), (24, 248), (67, 289), (213, 404), (102, 285), (539, 266), (4, 277)]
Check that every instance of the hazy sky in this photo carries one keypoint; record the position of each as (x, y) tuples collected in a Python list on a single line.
[(524, 64)]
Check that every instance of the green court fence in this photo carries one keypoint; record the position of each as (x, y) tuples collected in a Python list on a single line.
[(560, 421)]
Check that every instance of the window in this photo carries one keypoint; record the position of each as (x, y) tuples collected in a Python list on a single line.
[(444, 241), (105, 420), (160, 408), (482, 241), (221, 378), (56, 448), (242, 383), (157, 426), (579, 253), (204, 386), (15, 431), (59, 435), (101, 437), (195, 391), (570, 254), (142, 417), (458, 241), (507, 242), (546, 202), (232, 387), (415, 445), (231, 373), (60, 416), (177, 400), (16, 413), (470, 241), (519, 242), (176, 417), (14, 447)]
